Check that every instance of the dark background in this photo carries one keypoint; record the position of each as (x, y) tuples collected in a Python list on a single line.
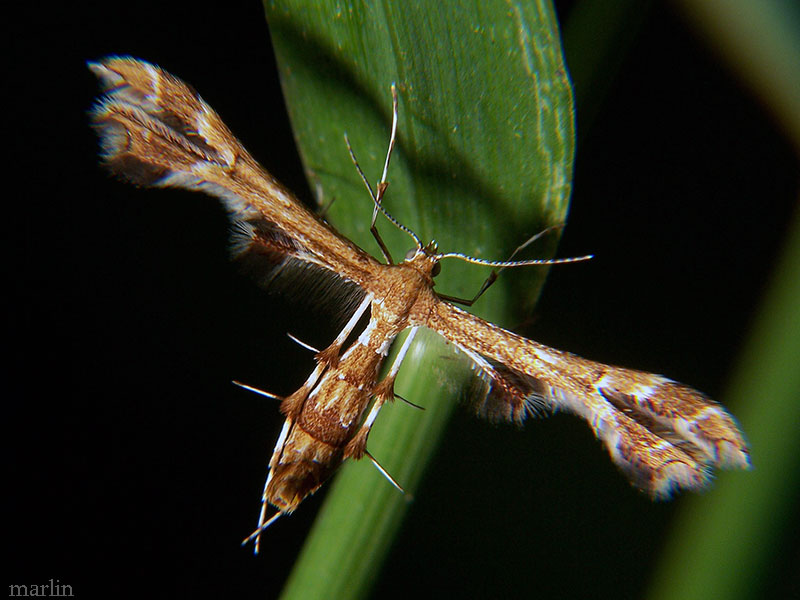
[(136, 467)]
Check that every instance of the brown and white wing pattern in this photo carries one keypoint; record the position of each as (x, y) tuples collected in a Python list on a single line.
[(155, 130), (665, 436)]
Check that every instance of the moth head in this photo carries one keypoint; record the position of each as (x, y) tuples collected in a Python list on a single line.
[(428, 254)]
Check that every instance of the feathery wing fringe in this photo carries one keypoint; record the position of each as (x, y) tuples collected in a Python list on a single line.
[(280, 265), (659, 452), (156, 131)]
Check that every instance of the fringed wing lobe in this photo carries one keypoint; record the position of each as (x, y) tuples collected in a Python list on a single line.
[(663, 435), (502, 395), (277, 263), (155, 130), (698, 422), (153, 126)]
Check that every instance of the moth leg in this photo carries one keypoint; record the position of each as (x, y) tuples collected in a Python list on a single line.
[(384, 472), (384, 391), (407, 401), (382, 184), (330, 355), (302, 344), (496, 272), (256, 390), (320, 195), (262, 525), (293, 404)]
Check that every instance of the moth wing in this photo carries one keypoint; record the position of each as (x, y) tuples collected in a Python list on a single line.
[(656, 456), (156, 131)]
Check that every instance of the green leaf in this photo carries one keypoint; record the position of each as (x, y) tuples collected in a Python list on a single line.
[(483, 161)]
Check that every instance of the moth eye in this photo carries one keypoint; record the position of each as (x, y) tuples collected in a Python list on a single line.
[(437, 268), (410, 254)]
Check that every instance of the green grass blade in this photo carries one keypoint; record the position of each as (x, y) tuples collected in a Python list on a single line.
[(761, 42), (484, 160), (723, 543)]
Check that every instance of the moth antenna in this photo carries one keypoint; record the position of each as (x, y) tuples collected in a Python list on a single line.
[(255, 390), (503, 264), (398, 224), (302, 343), (377, 200), (358, 168), (385, 473), (508, 262)]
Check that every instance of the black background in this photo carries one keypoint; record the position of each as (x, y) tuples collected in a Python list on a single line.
[(136, 467)]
